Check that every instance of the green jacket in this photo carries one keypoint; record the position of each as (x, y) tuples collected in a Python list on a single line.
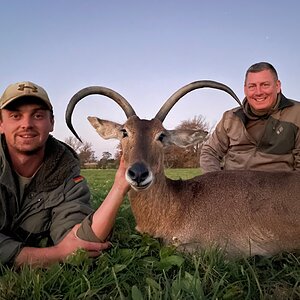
[(56, 199), (276, 146)]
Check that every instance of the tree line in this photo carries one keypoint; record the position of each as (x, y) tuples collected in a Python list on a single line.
[(175, 157)]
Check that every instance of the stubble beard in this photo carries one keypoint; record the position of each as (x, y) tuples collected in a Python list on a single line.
[(28, 149)]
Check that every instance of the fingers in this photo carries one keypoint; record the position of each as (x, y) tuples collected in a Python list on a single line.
[(94, 253), (97, 249), (98, 246), (92, 249)]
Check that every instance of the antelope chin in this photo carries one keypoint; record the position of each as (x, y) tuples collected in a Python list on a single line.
[(141, 187)]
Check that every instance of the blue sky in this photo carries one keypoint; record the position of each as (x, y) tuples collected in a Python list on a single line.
[(145, 50)]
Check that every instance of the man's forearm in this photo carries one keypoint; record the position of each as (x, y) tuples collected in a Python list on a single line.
[(104, 217), (208, 161), (39, 257)]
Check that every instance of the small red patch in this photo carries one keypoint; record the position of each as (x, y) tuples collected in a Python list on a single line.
[(78, 179)]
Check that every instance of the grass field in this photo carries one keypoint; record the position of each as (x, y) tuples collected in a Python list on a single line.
[(138, 267)]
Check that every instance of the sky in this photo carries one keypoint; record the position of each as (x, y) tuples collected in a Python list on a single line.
[(145, 51)]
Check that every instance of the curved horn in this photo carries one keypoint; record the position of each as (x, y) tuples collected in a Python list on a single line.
[(165, 109), (123, 103)]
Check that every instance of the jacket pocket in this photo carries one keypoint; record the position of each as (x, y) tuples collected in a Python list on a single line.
[(36, 214), (279, 137)]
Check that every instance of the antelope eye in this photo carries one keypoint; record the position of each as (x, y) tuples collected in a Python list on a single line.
[(124, 132), (161, 137)]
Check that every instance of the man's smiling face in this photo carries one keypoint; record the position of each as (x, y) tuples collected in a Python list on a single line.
[(26, 127), (261, 89)]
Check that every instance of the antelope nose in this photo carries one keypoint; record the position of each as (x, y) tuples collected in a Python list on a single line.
[(138, 172)]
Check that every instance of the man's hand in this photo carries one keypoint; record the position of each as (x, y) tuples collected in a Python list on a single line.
[(120, 182), (72, 242), (43, 257)]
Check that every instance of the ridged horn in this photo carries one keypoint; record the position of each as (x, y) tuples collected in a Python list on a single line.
[(98, 90), (165, 109)]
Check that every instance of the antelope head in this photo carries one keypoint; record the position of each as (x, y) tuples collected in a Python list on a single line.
[(143, 141)]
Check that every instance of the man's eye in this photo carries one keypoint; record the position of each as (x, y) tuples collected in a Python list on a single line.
[(38, 116), (124, 133), (15, 116)]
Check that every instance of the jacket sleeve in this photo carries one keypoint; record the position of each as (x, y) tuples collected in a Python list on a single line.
[(214, 149), (85, 231), (74, 208), (9, 248), (295, 111), (296, 152)]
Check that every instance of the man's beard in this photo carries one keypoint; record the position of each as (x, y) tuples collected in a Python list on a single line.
[(31, 152)]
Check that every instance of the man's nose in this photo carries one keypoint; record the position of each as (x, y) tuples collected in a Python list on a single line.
[(27, 122), (258, 90)]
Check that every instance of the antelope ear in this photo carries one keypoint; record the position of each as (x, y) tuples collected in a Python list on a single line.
[(106, 129), (185, 137)]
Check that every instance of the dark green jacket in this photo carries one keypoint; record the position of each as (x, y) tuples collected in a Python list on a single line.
[(56, 199)]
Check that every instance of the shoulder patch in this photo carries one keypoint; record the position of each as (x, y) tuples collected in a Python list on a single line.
[(78, 179)]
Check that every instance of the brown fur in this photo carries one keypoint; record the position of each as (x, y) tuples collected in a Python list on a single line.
[(243, 212)]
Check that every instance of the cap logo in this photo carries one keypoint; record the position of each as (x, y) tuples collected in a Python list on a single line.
[(24, 86)]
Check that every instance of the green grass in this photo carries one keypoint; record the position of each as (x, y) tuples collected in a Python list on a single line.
[(138, 267)]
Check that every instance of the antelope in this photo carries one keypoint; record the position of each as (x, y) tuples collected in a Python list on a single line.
[(244, 213)]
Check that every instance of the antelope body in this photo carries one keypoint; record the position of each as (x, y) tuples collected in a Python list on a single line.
[(243, 212)]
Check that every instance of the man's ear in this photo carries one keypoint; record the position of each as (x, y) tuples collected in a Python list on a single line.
[(278, 86), (52, 124), (1, 128)]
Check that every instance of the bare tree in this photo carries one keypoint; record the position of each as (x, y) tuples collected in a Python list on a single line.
[(73, 143), (84, 150), (176, 157)]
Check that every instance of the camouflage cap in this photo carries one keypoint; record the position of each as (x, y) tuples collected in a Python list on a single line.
[(21, 89)]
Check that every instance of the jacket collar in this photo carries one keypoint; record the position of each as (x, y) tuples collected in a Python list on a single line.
[(283, 103), (6, 177), (60, 162)]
